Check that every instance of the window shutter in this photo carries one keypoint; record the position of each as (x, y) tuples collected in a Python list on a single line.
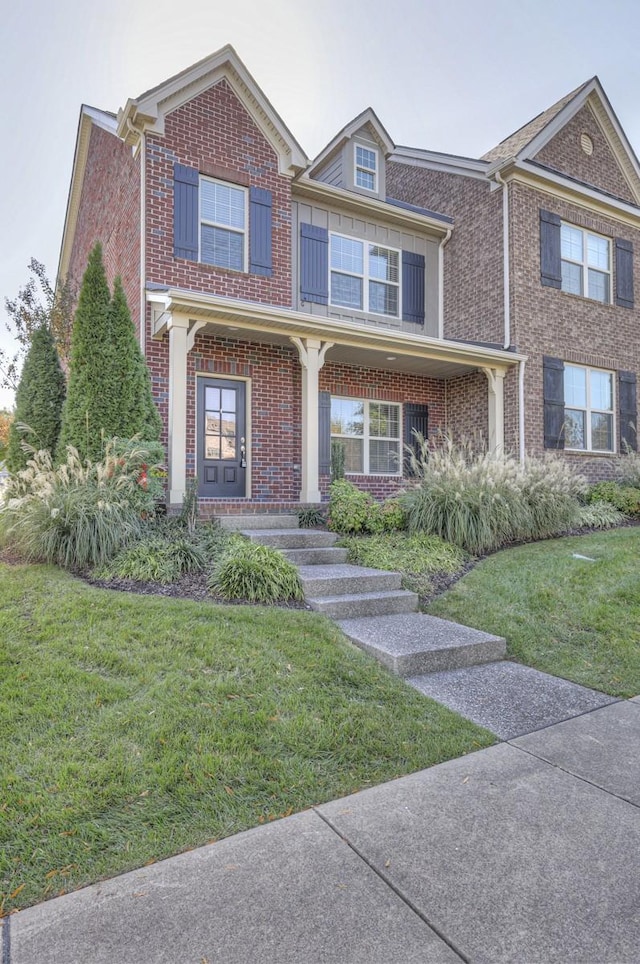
[(413, 287), (624, 273), (553, 372), (324, 433), (550, 266), (628, 410), (260, 229), (314, 264), (416, 419), (185, 212)]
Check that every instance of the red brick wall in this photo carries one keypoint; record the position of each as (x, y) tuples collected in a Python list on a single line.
[(214, 134), (473, 269), (468, 408), (110, 213), (563, 153)]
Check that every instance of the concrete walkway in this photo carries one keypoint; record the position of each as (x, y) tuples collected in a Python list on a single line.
[(526, 852)]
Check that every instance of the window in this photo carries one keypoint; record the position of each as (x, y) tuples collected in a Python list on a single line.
[(223, 224), (588, 409), (586, 263), (370, 433), (364, 277), (366, 168)]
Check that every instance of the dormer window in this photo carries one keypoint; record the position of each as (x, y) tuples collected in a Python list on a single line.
[(366, 169)]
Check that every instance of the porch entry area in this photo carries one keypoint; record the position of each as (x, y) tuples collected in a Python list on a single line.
[(222, 438)]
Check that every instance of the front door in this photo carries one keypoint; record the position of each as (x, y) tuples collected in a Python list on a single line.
[(222, 438)]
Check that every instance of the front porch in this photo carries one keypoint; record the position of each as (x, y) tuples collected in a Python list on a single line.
[(250, 390)]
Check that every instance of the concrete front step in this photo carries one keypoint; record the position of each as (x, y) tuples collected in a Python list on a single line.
[(347, 605), (414, 643), (343, 578), (316, 557), (258, 521), (291, 538)]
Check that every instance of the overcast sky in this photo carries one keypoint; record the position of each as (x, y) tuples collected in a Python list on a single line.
[(447, 75)]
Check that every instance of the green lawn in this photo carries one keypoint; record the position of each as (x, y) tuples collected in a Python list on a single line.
[(570, 617), (134, 727)]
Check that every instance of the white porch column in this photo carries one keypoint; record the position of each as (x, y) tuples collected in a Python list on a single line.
[(178, 328), (495, 380), (312, 353)]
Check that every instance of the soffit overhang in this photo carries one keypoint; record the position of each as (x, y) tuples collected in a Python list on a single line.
[(353, 344)]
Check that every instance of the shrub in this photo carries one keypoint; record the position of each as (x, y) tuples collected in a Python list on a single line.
[(79, 513), (626, 498), (349, 507), (256, 573), (311, 516), (481, 501), (337, 459), (155, 560), (600, 515), (627, 468), (403, 552), (387, 516)]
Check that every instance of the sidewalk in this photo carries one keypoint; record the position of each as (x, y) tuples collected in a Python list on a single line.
[(527, 852)]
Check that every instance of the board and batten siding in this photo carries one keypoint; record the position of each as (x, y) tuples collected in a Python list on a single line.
[(375, 233)]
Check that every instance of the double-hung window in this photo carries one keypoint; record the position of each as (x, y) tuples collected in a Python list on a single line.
[(586, 263), (223, 224), (364, 277), (588, 412), (366, 168), (370, 434)]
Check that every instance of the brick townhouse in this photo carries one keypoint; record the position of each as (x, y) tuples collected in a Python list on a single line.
[(282, 302)]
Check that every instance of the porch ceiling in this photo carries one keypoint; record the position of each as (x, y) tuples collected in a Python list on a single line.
[(354, 345)]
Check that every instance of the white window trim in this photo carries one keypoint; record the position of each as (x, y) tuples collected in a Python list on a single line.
[(366, 437), (588, 410), (225, 227), (366, 277), (368, 170), (584, 264)]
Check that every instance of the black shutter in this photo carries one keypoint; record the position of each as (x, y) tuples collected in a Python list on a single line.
[(324, 433), (624, 273), (260, 247), (628, 410), (413, 287), (550, 260), (185, 212), (416, 419), (553, 372), (314, 264)]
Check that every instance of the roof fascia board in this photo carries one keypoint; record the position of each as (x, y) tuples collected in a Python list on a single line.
[(447, 163), (148, 112), (556, 123), (261, 316), (568, 190), (368, 207), (368, 116)]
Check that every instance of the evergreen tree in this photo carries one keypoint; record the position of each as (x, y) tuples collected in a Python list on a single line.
[(90, 411), (137, 413), (39, 400)]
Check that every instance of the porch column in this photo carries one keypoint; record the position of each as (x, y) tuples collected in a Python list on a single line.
[(178, 327), (495, 380), (312, 353)]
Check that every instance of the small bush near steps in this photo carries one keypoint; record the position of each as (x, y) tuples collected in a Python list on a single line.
[(256, 573), (352, 511)]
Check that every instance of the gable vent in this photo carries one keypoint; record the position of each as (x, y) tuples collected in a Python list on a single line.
[(586, 144)]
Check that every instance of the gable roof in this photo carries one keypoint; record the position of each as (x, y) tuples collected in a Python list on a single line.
[(368, 118), (525, 143), (147, 112)]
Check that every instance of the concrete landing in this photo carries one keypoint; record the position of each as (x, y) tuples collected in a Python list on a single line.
[(413, 643), (509, 699)]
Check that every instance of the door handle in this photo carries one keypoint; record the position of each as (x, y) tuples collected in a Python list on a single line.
[(243, 454)]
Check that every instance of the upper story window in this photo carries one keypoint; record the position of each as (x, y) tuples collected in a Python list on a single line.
[(585, 263), (366, 168), (370, 434), (223, 224), (364, 277), (588, 412)]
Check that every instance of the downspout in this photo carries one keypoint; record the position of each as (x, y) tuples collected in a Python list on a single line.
[(441, 283), (505, 259), (521, 448), (143, 303)]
